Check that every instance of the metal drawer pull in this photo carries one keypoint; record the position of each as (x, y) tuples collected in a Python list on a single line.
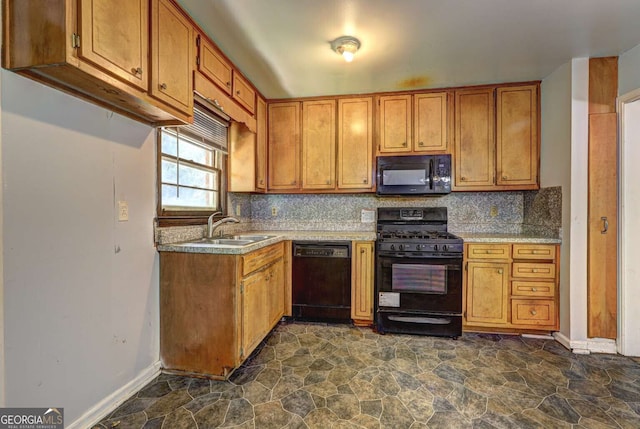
[(500, 271), (605, 225), (534, 289), (533, 312)]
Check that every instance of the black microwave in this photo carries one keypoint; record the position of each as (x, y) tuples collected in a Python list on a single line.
[(414, 175)]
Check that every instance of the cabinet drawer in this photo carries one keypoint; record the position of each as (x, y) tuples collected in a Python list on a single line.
[(488, 251), (542, 289), (261, 257), (533, 270), (533, 312), (534, 251)]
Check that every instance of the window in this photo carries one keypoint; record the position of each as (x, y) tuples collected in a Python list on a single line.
[(192, 169)]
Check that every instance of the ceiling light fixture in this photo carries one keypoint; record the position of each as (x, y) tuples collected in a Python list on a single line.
[(346, 46)]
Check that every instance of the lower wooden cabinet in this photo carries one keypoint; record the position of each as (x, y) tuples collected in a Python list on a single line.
[(362, 269), (511, 287), (215, 309)]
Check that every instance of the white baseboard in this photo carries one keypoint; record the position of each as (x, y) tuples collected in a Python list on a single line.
[(111, 402), (585, 347)]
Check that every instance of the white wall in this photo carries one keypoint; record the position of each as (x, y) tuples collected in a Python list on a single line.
[(80, 288), (555, 162), (579, 196), (629, 71)]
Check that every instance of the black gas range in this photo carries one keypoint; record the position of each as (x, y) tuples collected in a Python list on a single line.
[(418, 272)]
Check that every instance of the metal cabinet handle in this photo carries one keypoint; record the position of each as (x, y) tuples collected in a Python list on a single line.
[(500, 271), (404, 144), (237, 92), (365, 181), (362, 250), (228, 84), (533, 312), (605, 225), (163, 86), (421, 144), (261, 182), (463, 178), (504, 177), (534, 289), (137, 70)]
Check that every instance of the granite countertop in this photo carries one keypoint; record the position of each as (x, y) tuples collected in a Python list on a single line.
[(278, 236), (506, 238)]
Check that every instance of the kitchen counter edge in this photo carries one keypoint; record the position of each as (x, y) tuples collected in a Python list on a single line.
[(507, 238), (278, 236)]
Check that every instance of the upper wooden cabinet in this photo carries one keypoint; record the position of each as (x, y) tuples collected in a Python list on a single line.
[(517, 149), (97, 50), (319, 144), (261, 145), (474, 139), (496, 138), (355, 143), (431, 113), (413, 124), (395, 123), (172, 53), (213, 64), (243, 93), (284, 146), (115, 36)]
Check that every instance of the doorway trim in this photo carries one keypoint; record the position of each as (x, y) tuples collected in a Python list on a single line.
[(624, 313)]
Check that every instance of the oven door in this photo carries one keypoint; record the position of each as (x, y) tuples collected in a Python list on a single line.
[(422, 284)]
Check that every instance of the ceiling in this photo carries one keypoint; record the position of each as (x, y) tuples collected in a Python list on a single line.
[(283, 46)]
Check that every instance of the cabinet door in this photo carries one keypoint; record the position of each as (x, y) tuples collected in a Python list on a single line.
[(172, 56), (487, 293), (517, 145), (284, 146), (276, 292), (114, 36), (395, 123), (362, 282), (474, 139), (431, 122), (261, 145), (355, 143), (319, 144), (255, 311), (243, 93), (213, 65)]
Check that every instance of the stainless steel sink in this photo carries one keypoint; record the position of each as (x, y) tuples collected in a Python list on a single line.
[(228, 241)]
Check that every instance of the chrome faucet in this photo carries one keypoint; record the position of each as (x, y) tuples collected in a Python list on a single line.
[(212, 226)]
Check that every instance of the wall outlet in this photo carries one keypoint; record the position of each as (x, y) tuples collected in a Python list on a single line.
[(367, 216), (494, 211), (238, 210), (274, 211), (123, 211)]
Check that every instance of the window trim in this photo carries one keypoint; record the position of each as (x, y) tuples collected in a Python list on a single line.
[(188, 217)]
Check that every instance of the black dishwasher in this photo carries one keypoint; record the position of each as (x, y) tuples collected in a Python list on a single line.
[(321, 277)]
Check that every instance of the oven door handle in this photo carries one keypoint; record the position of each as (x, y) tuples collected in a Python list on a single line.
[(422, 320)]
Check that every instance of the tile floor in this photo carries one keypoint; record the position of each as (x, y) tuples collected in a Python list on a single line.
[(338, 376)]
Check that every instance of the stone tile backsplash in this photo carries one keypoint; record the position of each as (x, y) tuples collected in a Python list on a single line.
[(533, 212)]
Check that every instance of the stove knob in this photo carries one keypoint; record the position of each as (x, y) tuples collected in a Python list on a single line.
[(401, 247), (445, 247), (393, 247), (417, 247), (435, 247)]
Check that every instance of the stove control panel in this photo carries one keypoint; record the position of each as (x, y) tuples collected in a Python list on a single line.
[(421, 247), (411, 214)]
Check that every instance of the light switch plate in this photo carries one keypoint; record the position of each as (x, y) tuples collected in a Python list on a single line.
[(367, 216), (123, 211)]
